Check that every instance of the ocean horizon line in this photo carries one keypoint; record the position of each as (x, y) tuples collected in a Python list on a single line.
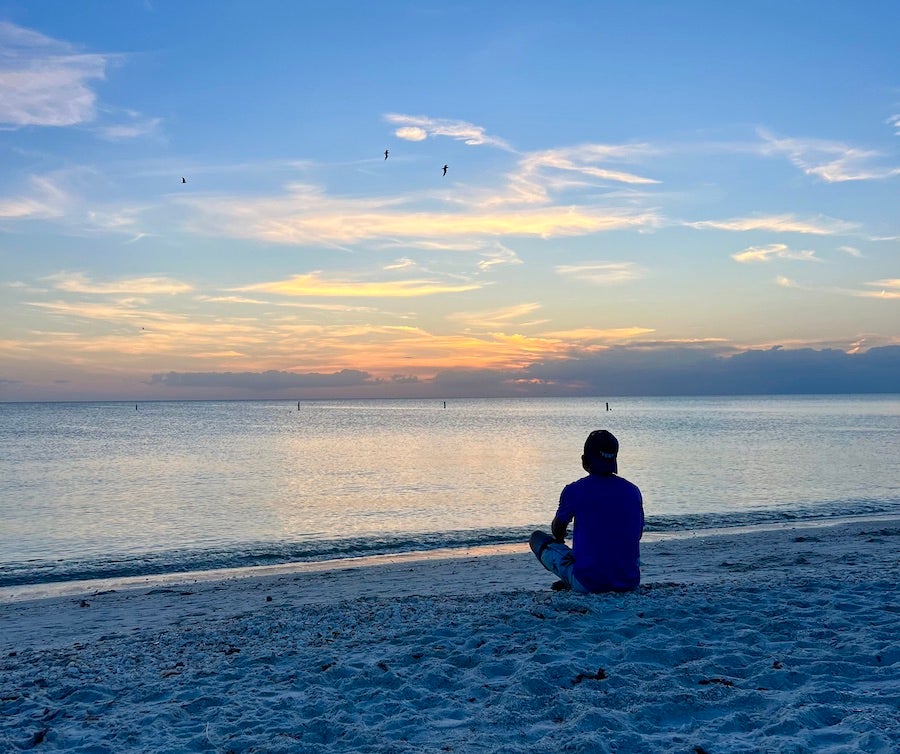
[(440, 399)]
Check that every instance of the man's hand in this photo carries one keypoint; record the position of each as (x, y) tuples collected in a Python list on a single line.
[(558, 529)]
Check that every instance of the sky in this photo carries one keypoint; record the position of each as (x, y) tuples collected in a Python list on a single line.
[(212, 199)]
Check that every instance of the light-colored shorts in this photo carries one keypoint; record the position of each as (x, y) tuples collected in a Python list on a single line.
[(556, 557)]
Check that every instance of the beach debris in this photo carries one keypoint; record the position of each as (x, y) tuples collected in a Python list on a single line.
[(876, 536), (660, 585), (174, 670), (600, 675), (719, 681), (38, 737)]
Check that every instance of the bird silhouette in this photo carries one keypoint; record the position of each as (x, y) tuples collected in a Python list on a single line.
[(183, 180), (445, 169), (385, 154)]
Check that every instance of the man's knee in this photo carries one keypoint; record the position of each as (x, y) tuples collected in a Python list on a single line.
[(538, 542)]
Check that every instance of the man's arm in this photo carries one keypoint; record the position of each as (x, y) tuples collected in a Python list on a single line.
[(558, 528)]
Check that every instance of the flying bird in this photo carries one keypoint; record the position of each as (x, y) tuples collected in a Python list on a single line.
[(385, 154), (183, 179), (445, 169)]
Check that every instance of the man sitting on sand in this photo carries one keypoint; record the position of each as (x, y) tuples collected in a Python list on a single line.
[(609, 521)]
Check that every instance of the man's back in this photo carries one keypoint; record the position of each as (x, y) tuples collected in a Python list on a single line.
[(609, 521)]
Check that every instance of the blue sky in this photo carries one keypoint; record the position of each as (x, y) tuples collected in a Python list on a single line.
[(648, 197)]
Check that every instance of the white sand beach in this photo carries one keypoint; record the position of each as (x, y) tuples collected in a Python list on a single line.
[(785, 640)]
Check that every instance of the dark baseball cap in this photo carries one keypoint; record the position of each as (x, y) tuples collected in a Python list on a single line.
[(600, 450)]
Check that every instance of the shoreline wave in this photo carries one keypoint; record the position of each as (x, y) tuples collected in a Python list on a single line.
[(247, 555)]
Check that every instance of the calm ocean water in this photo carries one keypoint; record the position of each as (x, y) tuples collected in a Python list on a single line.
[(97, 490)]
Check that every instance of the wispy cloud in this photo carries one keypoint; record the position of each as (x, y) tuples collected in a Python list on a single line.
[(494, 319), (421, 127), (432, 244), (268, 380), (587, 161), (589, 334), (116, 220), (23, 208), (133, 126), (126, 328), (543, 195), (317, 306), (315, 284), (65, 196), (850, 250), (884, 294), (109, 311), (888, 289), (401, 264), (893, 283), (49, 82), (601, 273), (539, 177), (497, 256), (818, 226), (45, 200), (776, 250), (831, 161), (143, 286), (45, 82), (233, 300), (894, 122), (306, 215)]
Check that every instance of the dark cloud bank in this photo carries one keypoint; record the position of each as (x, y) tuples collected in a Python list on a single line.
[(616, 372)]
